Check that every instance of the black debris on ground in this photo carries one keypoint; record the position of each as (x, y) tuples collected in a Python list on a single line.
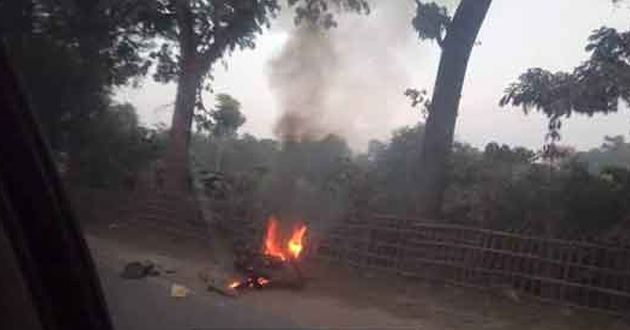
[(137, 270)]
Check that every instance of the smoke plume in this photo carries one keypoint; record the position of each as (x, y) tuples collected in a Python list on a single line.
[(346, 80), (301, 76)]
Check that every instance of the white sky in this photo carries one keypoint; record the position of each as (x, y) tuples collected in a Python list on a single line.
[(516, 35)]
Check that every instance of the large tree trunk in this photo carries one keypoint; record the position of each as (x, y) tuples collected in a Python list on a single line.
[(177, 151), (438, 140), (189, 81)]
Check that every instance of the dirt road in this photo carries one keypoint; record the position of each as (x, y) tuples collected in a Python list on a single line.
[(146, 304), (334, 298)]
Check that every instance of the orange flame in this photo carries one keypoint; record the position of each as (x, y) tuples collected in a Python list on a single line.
[(295, 243), (273, 241), (262, 281), (233, 285)]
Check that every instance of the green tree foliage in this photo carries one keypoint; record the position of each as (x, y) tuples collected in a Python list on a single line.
[(508, 155), (499, 187), (197, 33), (227, 116), (113, 149), (318, 12), (107, 36), (222, 123), (70, 55), (245, 161), (393, 169), (49, 45), (615, 151), (431, 21), (307, 179), (531, 197), (595, 86)]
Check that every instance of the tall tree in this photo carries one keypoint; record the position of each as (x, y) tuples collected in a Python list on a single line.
[(200, 32), (456, 37), (197, 34), (70, 54), (596, 86), (227, 118)]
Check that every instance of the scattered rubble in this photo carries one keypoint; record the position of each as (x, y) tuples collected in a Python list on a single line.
[(179, 291), (137, 270), (218, 282)]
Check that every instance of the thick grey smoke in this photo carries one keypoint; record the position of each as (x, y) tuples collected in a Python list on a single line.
[(347, 80), (344, 81), (301, 76)]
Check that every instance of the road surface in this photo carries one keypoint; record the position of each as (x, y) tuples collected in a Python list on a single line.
[(147, 304)]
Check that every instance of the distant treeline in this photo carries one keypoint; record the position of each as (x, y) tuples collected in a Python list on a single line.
[(577, 194)]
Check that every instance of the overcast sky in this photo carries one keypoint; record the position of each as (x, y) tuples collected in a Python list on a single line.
[(381, 57)]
